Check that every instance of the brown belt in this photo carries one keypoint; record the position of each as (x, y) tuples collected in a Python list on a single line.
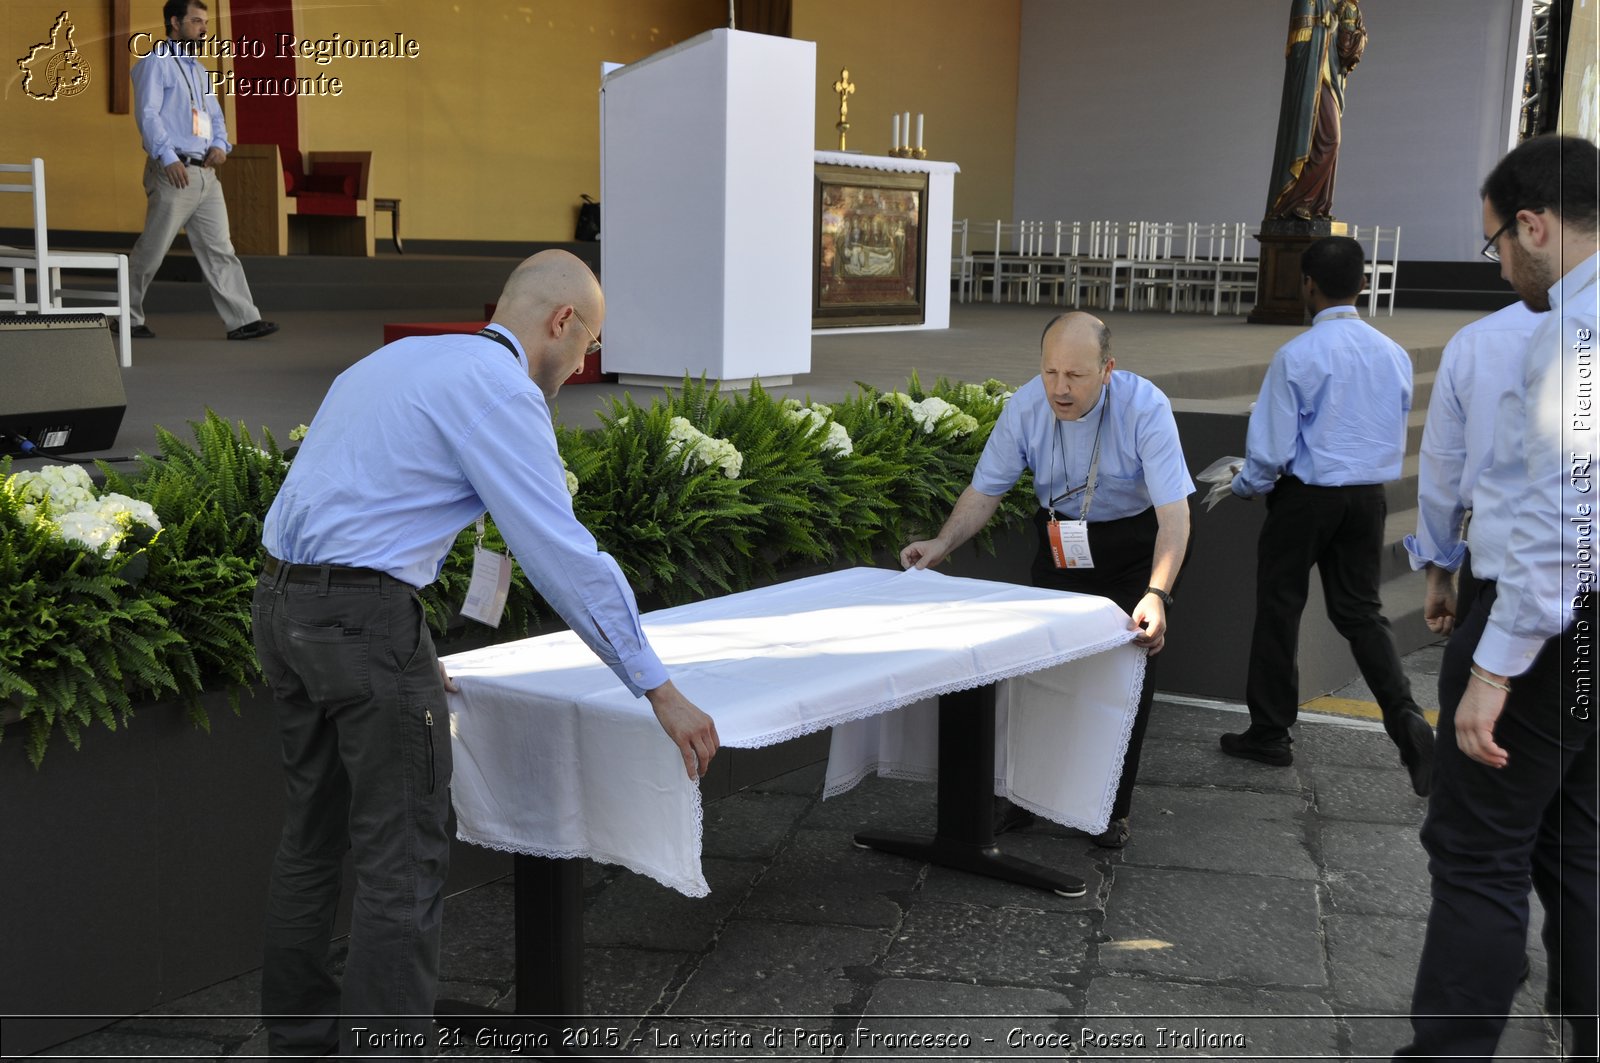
[(334, 575)]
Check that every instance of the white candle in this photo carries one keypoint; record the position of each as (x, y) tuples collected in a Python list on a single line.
[(906, 125), (895, 143), (919, 132)]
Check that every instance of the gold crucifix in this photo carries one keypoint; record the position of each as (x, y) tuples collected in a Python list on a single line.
[(844, 88)]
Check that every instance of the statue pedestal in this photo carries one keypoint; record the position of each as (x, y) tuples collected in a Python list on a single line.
[(1278, 299)]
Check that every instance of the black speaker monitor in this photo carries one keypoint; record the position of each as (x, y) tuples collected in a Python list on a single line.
[(60, 385)]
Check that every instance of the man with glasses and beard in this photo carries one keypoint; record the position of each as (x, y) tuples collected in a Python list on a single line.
[(1514, 798)]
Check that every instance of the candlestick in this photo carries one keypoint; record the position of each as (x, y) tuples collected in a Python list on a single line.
[(894, 143), (919, 132)]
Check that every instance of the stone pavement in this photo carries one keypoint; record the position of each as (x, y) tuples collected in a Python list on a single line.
[(1257, 913)]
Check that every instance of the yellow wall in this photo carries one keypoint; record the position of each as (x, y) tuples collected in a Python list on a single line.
[(493, 132), (953, 60)]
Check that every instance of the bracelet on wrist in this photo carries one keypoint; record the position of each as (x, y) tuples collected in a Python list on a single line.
[(1486, 681), (1166, 599)]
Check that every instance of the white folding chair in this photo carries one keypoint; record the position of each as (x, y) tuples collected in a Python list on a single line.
[(1381, 275), (1154, 266), (1058, 245), (1236, 274), (1014, 259), (961, 260), (49, 296)]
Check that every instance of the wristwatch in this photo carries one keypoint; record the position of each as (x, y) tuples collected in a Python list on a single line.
[(1166, 599)]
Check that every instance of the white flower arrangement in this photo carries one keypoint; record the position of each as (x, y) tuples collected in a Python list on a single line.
[(62, 499), (932, 410), (700, 449), (836, 439)]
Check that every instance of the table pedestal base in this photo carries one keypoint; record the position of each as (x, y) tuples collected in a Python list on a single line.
[(965, 834)]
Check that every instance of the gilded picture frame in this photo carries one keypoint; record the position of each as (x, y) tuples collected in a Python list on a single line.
[(870, 252)]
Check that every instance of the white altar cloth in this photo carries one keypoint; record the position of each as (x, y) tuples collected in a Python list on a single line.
[(554, 757)]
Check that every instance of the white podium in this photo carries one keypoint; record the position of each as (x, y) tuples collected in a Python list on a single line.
[(706, 177)]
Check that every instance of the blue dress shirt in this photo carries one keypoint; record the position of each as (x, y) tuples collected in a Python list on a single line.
[(411, 445), (167, 87), (1332, 409), (1141, 460), (1533, 523), (1481, 362)]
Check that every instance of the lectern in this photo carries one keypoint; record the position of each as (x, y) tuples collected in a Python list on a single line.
[(705, 177)]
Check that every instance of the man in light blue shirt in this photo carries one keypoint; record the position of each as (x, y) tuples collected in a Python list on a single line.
[(1104, 450), (412, 444), (1518, 768), (1480, 363), (185, 140), (1327, 430)]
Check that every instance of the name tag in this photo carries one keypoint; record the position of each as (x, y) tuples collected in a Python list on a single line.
[(491, 584), (202, 125), (1069, 543)]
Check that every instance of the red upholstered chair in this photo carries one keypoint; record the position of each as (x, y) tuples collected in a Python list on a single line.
[(303, 203)]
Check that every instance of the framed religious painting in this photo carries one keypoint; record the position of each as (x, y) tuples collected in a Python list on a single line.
[(871, 248)]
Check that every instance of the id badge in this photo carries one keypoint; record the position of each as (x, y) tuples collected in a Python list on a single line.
[(1069, 544), (491, 583), (202, 123)]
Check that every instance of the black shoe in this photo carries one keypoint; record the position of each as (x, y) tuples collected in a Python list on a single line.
[(141, 332), (1009, 816), (1275, 753), (254, 330), (1115, 836), (1418, 755)]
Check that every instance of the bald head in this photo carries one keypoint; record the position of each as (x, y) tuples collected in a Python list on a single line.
[(1075, 363), (554, 306), (1075, 328)]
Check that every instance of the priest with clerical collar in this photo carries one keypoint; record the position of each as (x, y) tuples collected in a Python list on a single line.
[(1113, 491)]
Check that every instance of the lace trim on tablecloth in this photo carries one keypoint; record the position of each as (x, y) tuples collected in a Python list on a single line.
[(697, 887)]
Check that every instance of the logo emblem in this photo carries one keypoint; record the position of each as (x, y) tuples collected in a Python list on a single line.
[(55, 69)]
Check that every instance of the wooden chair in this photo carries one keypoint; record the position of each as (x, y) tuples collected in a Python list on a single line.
[(49, 296)]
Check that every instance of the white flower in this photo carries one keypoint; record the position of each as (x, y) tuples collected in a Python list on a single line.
[(699, 448), (66, 487), (297, 433), (572, 481), (125, 510), (90, 530), (837, 439), (932, 410), (895, 398)]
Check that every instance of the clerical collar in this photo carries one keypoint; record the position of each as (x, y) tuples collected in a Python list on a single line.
[(1092, 411)]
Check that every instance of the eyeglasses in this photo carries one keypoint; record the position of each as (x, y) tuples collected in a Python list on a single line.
[(594, 341), (1491, 250)]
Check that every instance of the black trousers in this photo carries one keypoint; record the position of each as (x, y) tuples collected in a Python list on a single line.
[(1488, 832), (1123, 551), (1340, 531)]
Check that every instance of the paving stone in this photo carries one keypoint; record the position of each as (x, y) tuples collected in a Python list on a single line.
[(749, 825), (477, 939), (1221, 830), (227, 1012), (1011, 946), (806, 781), (640, 912), (996, 1021), (1271, 1022), (877, 804), (1376, 868), (1377, 1037), (1381, 795), (1212, 926), (1321, 744), (1177, 721), (622, 982), (780, 969), (823, 877), (1372, 961), (1047, 845), (1174, 762)]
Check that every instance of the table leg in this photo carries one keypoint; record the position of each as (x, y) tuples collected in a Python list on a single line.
[(547, 946), (965, 834)]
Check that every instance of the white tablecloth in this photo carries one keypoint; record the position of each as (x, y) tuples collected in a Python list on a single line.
[(554, 757)]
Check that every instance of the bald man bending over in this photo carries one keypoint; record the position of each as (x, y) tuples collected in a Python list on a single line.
[(412, 444)]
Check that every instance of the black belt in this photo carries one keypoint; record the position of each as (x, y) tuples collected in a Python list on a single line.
[(192, 160), (335, 575)]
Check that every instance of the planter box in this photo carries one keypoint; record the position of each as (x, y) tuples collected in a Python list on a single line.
[(136, 868)]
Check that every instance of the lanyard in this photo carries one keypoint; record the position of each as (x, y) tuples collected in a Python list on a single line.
[(1094, 462), (498, 338), (188, 83)]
